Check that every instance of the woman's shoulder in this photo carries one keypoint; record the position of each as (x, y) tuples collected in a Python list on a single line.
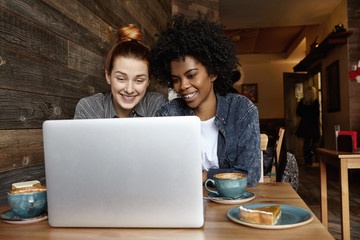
[(150, 104), (96, 98), (155, 96), (92, 106), (234, 99), (235, 108)]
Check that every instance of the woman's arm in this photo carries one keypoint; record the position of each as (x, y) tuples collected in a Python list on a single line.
[(244, 154)]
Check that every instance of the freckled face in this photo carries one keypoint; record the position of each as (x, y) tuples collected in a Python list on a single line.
[(129, 79), (192, 82)]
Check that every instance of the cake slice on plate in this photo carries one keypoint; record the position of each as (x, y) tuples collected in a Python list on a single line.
[(263, 215)]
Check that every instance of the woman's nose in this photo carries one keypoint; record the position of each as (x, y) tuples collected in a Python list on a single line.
[(129, 88), (184, 83)]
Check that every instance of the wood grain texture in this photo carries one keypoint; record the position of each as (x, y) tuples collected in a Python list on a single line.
[(85, 18), (23, 73), (132, 12), (156, 13), (86, 61), (35, 172), (28, 38), (354, 25), (141, 9), (21, 110), (118, 18), (20, 148), (48, 17)]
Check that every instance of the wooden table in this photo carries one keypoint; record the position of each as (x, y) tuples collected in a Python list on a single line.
[(344, 161), (217, 225)]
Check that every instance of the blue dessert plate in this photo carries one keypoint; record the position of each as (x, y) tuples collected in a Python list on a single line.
[(291, 216)]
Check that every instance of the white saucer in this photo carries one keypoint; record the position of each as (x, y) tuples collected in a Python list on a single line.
[(247, 196), (10, 217)]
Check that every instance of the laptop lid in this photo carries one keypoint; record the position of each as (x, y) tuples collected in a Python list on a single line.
[(128, 172)]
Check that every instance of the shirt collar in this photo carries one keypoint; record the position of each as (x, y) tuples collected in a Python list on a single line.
[(110, 112), (109, 108), (139, 109)]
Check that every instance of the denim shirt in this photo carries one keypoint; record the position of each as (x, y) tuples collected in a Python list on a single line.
[(239, 134)]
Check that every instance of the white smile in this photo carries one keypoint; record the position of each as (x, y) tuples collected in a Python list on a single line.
[(190, 95), (128, 97)]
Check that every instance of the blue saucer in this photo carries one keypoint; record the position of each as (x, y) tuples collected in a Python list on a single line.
[(10, 217), (247, 196), (291, 216)]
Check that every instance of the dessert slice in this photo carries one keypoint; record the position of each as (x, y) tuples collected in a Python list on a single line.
[(33, 183), (262, 215)]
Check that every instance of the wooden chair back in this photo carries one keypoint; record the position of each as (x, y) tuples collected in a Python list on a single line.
[(278, 151), (264, 142), (278, 145)]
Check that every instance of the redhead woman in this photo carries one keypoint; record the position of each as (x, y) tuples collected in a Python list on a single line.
[(197, 60), (127, 71)]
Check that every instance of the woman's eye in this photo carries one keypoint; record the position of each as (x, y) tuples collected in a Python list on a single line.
[(120, 78), (175, 80), (140, 80), (191, 76)]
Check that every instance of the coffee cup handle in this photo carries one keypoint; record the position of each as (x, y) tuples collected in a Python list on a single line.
[(213, 182)]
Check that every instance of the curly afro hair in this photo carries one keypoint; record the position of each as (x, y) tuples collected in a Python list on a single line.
[(201, 39)]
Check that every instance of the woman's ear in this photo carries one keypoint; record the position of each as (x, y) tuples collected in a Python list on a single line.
[(108, 78), (213, 78)]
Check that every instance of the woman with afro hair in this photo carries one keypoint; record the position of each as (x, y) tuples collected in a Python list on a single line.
[(196, 58)]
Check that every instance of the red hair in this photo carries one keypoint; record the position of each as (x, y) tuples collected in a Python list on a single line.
[(129, 44)]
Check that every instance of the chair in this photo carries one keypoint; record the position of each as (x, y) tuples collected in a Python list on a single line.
[(272, 176), (264, 143), (288, 171)]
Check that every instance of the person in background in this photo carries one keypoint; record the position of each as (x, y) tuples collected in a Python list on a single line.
[(309, 129), (197, 59), (127, 71)]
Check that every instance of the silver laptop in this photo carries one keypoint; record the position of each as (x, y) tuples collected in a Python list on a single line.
[(131, 173)]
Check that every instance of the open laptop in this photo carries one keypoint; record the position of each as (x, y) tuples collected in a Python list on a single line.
[(128, 172)]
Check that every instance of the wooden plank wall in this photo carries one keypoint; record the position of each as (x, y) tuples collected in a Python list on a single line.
[(354, 57), (52, 53)]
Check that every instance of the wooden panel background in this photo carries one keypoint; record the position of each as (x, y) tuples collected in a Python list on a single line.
[(52, 53), (354, 57)]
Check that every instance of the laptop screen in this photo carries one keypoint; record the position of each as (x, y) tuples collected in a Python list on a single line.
[(128, 172)]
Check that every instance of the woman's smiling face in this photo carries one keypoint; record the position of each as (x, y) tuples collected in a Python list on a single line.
[(192, 82), (129, 79)]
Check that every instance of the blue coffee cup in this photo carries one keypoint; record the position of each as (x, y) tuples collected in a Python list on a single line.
[(28, 202), (231, 185)]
